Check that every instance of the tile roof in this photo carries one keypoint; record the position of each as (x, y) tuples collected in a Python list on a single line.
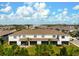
[(5, 32), (38, 31)]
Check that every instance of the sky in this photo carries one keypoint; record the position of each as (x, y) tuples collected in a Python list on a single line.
[(39, 13)]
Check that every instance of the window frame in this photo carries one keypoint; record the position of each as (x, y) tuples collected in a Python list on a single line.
[(14, 37), (43, 36), (63, 37), (54, 36), (35, 36)]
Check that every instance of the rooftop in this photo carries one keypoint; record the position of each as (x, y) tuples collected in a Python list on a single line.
[(38, 31), (2, 32)]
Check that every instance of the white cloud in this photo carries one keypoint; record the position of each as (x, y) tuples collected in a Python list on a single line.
[(6, 9), (41, 10), (44, 12), (59, 10), (63, 15), (3, 16), (53, 13), (76, 7), (28, 11), (37, 10), (5, 5), (65, 11), (11, 15), (39, 5), (41, 13), (25, 11)]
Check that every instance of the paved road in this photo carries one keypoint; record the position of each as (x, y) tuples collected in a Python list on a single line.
[(75, 42)]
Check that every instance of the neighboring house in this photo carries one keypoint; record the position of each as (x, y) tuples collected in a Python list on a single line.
[(66, 28), (7, 27), (4, 33), (38, 36)]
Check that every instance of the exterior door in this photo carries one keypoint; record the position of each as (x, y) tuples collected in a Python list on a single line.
[(13, 42), (33, 42), (53, 42), (24, 43), (44, 42)]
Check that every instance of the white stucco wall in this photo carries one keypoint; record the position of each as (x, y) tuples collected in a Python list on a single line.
[(59, 42), (39, 42), (64, 39), (11, 38)]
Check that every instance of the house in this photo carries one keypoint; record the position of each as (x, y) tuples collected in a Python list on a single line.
[(38, 36), (4, 33), (7, 27), (64, 28)]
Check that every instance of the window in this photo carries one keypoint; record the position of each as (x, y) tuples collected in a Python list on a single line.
[(35, 35), (24, 43), (13, 42), (14, 37), (42, 35), (65, 42), (24, 35), (33, 42), (44, 42), (53, 35), (19, 36), (57, 36), (63, 36)]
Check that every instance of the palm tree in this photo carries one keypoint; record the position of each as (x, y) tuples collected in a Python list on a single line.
[(63, 51), (28, 39), (49, 41), (1, 40), (28, 26)]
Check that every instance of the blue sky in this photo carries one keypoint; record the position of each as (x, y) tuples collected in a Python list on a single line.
[(39, 12)]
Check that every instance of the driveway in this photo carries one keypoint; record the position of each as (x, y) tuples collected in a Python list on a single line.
[(75, 42)]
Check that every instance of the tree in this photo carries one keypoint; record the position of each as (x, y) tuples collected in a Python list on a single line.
[(76, 26), (38, 50), (23, 52), (15, 50), (49, 41), (8, 51), (1, 50), (19, 27), (28, 39), (71, 52), (1, 40), (47, 50), (44, 50), (74, 34), (28, 26), (63, 51)]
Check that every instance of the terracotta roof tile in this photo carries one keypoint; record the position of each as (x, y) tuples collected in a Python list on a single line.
[(2, 32), (38, 31)]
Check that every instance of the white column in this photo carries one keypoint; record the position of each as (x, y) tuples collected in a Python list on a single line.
[(59, 42), (39, 42), (18, 42)]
